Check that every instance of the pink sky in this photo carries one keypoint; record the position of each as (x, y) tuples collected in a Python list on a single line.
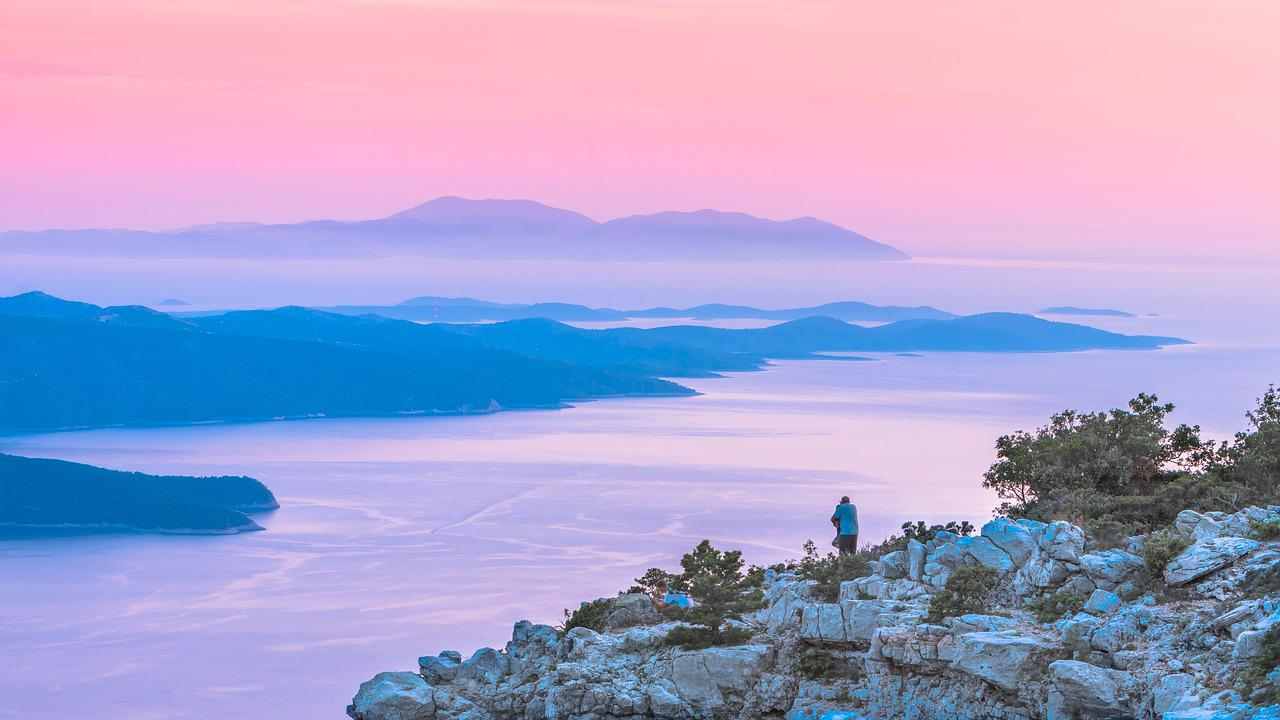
[(1100, 129)]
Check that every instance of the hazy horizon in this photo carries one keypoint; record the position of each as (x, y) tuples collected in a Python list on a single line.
[(996, 130)]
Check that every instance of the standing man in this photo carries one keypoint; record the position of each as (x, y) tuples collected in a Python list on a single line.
[(845, 520)]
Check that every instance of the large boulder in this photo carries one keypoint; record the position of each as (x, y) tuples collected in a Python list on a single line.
[(1004, 659), (915, 559), (1077, 631), (893, 565), (1016, 540), (786, 598), (1169, 691), (1117, 633), (823, 622), (986, 553), (702, 677), (1207, 556), (1040, 573), (1110, 568), (1102, 602), (1207, 526), (630, 610), (1081, 690), (393, 696), (486, 665), (442, 668), (1062, 541), (862, 617)]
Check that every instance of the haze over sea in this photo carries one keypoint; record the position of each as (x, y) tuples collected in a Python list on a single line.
[(401, 537)]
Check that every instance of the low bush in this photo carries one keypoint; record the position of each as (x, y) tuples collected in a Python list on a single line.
[(829, 570), (816, 663), (1052, 607), (919, 531), (589, 615), (1162, 546), (968, 590), (698, 637)]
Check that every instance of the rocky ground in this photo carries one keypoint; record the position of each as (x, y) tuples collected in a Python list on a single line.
[(1179, 645)]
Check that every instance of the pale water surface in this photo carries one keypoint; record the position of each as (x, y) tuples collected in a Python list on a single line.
[(402, 537)]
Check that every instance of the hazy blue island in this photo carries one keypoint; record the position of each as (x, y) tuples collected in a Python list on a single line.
[(487, 229), (74, 365), (40, 497), (446, 309), (1085, 312)]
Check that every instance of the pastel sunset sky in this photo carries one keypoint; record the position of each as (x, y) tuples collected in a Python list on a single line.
[(1119, 130)]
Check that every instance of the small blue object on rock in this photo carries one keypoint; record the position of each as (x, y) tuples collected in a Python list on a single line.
[(678, 599)]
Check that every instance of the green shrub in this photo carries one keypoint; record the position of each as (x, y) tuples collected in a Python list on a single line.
[(588, 615), (1162, 546), (1125, 471), (721, 590), (698, 637), (1264, 529), (968, 590), (816, 663), (919, 531), (1053, 607), (829, 570)]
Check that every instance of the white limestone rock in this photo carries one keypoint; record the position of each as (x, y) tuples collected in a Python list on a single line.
[(915, 560), (1102, 602), (986, 553), (1004, 659), (1110, 568), (1063, 541), (1207, 556), (1014, 539), (393, 696), (893, 565), (1087, 691)]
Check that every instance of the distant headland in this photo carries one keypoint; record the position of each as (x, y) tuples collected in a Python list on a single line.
[(40, 497), (77, 365)]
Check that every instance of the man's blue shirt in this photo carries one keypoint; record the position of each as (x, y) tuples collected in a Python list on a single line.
[(847, 514)]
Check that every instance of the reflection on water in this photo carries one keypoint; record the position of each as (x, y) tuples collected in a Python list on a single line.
[(402, 537)]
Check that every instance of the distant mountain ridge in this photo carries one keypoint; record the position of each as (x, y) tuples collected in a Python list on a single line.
[(445, 309), (490, 229)]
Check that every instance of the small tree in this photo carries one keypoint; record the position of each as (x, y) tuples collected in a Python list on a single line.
[(1073, 467), (721, 591), (1251, 463)]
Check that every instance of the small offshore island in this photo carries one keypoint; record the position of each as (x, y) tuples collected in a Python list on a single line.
[(1086, 312), (43, 498)]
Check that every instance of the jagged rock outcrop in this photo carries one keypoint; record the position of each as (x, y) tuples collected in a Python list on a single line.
[(1172, 645)]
